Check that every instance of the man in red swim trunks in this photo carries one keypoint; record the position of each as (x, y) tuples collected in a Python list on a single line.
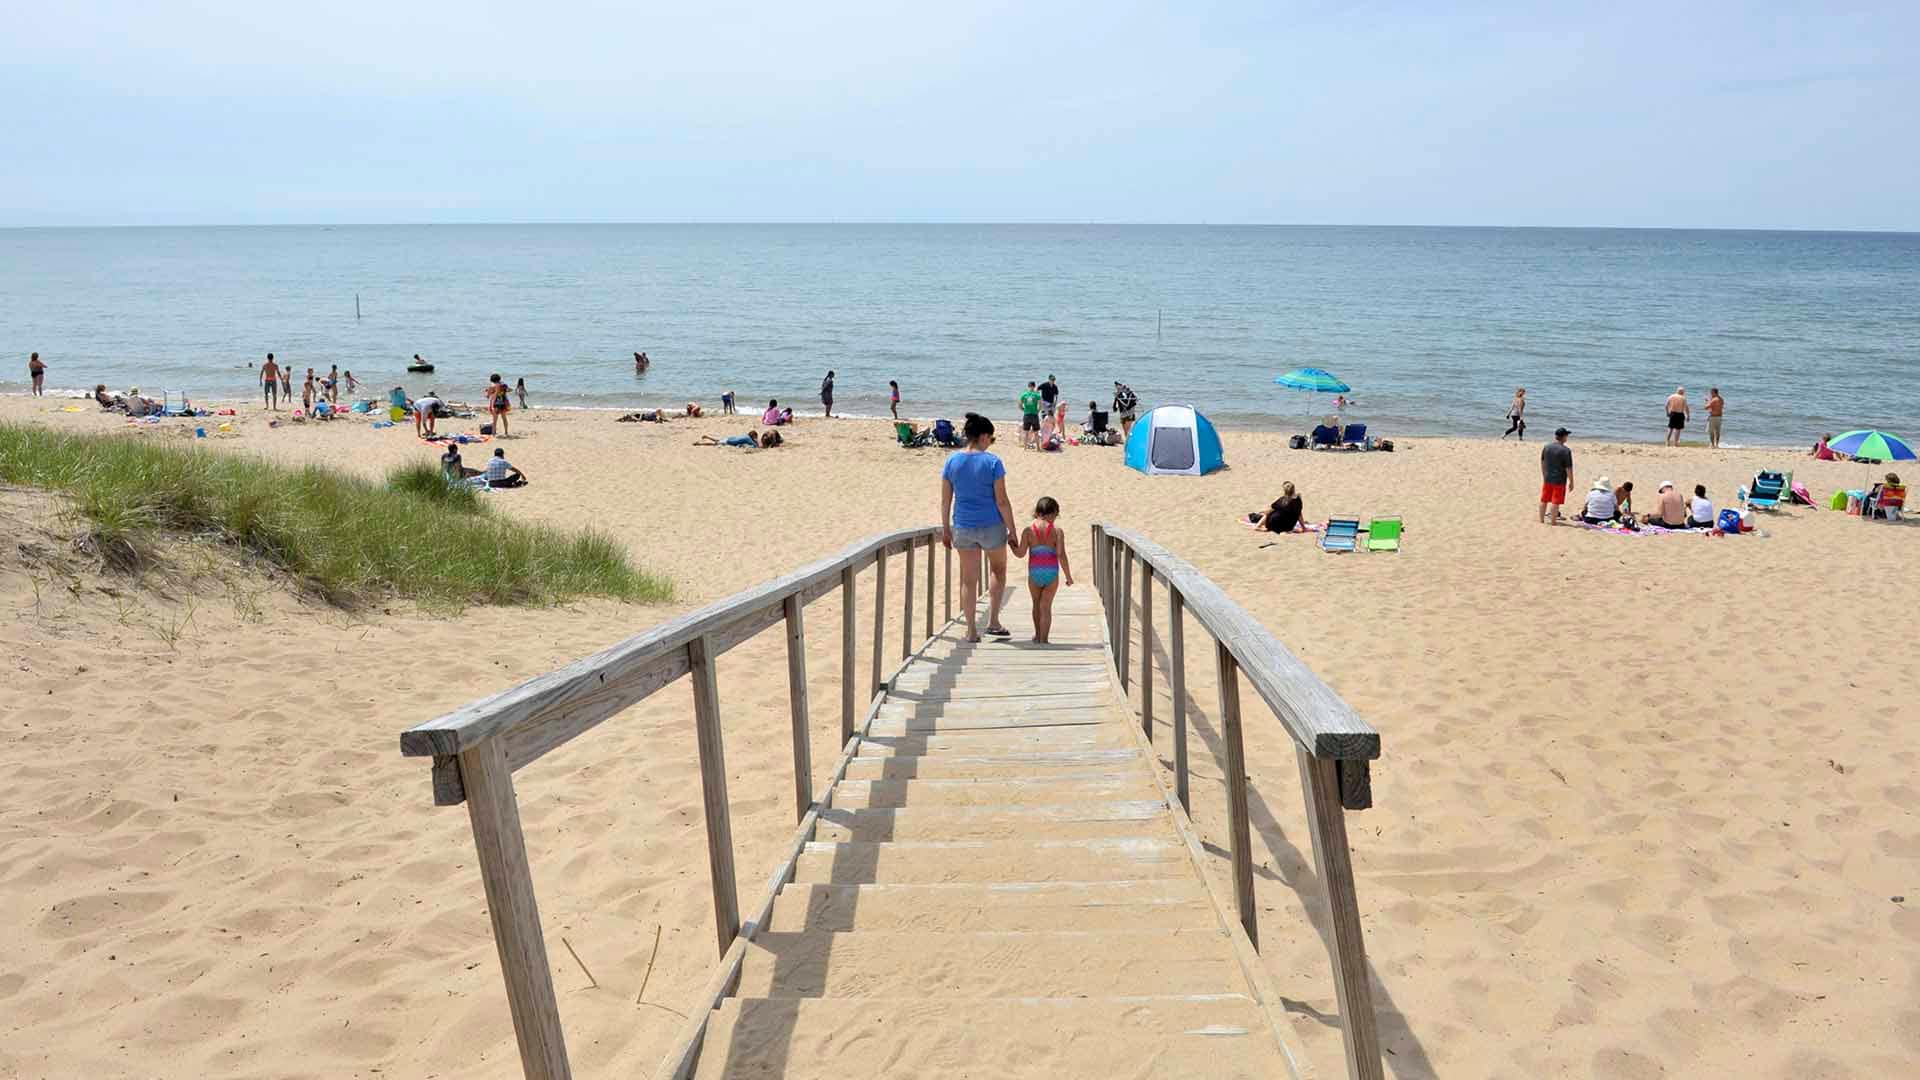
[(1556, 467)]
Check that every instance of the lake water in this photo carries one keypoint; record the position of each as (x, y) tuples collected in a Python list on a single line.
[(1434, 327)]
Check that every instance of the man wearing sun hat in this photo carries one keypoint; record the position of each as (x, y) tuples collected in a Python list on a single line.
[(1670, 507)]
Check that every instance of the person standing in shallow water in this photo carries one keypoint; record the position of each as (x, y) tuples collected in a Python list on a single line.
[(1716, 410), (1516, 413), (37, 373), (1678, 413), (826, 394), (977, 518)]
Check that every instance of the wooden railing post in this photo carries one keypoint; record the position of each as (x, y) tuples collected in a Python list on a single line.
[(947, 561), (713, 789), (906, 608), (930, 542), (797, 703), (1333, 861), (847, 639), (879, 619), (1146, 649), (1238, 831), (1177, 645), (508, 881), (1124, 642)]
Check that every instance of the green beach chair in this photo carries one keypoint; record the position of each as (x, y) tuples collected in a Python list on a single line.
[(1383, 534)]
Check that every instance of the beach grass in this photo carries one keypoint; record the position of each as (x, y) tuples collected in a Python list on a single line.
[(348, 539)]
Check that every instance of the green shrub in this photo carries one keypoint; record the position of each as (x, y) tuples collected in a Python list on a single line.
[(415, 536)]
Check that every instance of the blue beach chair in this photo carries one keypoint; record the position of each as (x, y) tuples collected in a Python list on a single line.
[(1343, 534), (1768, 489), (1325, 435), (1356, 436)]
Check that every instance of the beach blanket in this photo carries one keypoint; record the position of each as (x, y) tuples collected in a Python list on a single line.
[(1645, 530)]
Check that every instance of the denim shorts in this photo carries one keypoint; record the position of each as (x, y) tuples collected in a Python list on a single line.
[(982, 537)]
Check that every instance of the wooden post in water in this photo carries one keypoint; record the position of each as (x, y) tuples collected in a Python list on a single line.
[(1177, 633), (797, 704), (508, 881), (906, 608), (847, 639), (1238, 830), (1146, 649), (879, 620), (713, 790), (1333, 861)]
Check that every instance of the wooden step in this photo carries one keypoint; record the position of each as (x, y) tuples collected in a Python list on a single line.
[(1059, 821), (952, 766), (984, 861), (1179, 903), (933, 719), (1098, 787), (977, 743), (1215, 1037), (1055, 710), (989, 963)]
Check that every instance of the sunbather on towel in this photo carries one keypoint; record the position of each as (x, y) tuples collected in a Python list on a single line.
[(751, 438), (1283, 516), (1601, 506), (502, 474)]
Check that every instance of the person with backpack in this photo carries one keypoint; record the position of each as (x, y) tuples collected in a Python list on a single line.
[(1124, 405)]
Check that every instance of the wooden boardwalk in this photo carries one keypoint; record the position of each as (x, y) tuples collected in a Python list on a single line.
[(999, 884)]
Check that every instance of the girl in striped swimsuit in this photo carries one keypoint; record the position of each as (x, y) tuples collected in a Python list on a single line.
[(1046, 551)]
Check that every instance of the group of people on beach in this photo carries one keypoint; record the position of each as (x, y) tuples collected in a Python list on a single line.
[(976, 518), (1608, 503), (1679, 411)]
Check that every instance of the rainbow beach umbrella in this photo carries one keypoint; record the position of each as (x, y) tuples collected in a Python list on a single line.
[(1314, 379), (1871, 446)]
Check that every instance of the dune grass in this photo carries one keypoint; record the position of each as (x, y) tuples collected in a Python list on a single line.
[(346, 538)]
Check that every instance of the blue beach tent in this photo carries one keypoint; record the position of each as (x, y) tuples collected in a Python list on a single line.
[(1176, 440)]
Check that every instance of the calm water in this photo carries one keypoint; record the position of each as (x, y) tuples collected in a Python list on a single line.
[(1433, 327)]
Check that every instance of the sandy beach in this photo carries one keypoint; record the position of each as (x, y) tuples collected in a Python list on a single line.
[(1647, 805)]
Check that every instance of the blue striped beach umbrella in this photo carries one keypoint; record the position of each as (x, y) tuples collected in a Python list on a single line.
[(1314, 379), (1871, 446)]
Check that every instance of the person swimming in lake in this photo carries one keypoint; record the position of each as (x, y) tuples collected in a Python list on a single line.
[(1045, 548), (641, 363)]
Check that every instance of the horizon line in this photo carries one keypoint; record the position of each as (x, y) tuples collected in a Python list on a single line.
[(1035, 223)]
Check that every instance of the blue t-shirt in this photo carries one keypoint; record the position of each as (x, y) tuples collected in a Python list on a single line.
[(972, 474)]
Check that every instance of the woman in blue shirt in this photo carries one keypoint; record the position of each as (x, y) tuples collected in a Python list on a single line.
[(976, 516)]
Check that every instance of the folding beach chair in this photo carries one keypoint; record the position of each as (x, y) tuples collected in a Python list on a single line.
[(1889, 503), (1383, 534), (944, 435), (1325, 435), (174, 403), (1766, 491), (1343, 534), (1355, 436), (909, 438)]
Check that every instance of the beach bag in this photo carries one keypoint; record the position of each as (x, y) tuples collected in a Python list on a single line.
[(1298, 442), (1384, 444), (486, 429), (1729, 520), (1838, 502)]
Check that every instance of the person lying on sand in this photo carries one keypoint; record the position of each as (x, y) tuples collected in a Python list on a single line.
[(650, 416), (751, 438), (1283, 516), (501, 473)]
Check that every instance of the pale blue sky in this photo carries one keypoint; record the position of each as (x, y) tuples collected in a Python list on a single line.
[(1623, 113)]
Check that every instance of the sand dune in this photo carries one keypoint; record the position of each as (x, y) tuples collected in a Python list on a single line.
[(1644, 806)]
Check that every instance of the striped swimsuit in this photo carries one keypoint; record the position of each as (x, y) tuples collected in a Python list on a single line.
[(1043, 564)]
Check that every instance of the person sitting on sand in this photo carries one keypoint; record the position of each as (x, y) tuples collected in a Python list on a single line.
[(1702, 509), (694, 412), (772, 416), (501, 473), (750, 439), (453, 468), (1623, 498), (1284, 515), (106, 400), (1601, 506), (425, 411), (140, 406), (1822, 452), (772, 439), (1671, 510)]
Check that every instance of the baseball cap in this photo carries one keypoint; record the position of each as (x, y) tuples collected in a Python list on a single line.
[(1561, 433)]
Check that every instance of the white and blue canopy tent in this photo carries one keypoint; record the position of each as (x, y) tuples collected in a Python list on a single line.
[(1174, 440)]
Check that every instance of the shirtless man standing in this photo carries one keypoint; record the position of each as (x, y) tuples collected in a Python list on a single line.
[(1678, 413), (270, 382)]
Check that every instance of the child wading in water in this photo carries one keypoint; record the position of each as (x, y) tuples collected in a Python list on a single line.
[(1046, 552)]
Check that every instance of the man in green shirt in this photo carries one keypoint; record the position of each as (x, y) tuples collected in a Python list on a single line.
[(1030, 417)]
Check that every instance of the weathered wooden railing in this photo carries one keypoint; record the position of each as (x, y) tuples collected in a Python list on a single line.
[(1331, 744), (476, 750)]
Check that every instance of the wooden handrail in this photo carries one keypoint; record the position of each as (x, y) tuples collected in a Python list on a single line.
[(477, 748), (1331, 744), (545, 712)]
